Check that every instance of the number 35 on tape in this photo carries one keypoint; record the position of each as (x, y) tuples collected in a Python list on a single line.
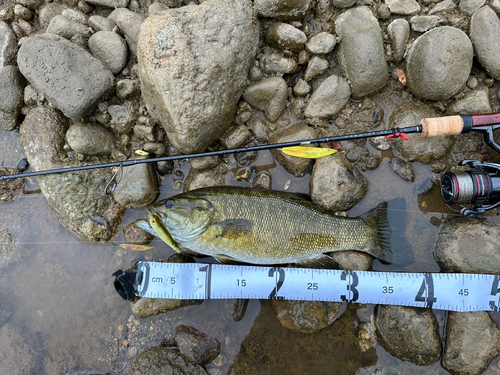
[(444, 291)]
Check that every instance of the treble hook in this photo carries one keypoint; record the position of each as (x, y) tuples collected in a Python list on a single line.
[(113, 183)]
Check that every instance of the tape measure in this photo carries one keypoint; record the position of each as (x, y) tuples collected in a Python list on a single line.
[(442, 291)]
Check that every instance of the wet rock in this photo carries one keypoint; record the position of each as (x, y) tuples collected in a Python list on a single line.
[(485, 35), (268, 95), (122, 118), (423, 150), (422, 24), (295, 166), (403, 7), (283, 35), (72, 197), (369, 163), (472, 341), (138, 186), (243, 175), (127, 88), (75, 83), (110, 3), (403, 169), (11, 186), (283, 9), (263, 181), (477, 101), (336, 184), (91, 139), (361, 42), (302, 88), (136, 235), (146, 307), (410, 334), (8, 251), (66, 28), (277, 64), (206, 178), (399, 32), (8, 45), (18, 355), (259, 129), (130, 25), (110, 48), (7, 13), (439, 63), (316, 66), (380, 143), (470, 6), (353, 260), (442, 7), (207, 162), (321, 43), (468, 246), (157, 148), (329, 98), (307, 316), (100, 23), (196, 346), (11, 96), (236, 308), (160, 361), (356, 153), (211, 63), (235, 137)]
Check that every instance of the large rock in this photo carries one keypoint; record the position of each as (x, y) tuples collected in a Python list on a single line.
[(283, 35), (11, 97), (485, 35), (193, 63), (283, 9), (72, 197), (472, 341), (439, 63), (67, 28), (468, 246), (75, 81), (410, 334), (329, 98), (91, 139), (8, 45), (361, 43)]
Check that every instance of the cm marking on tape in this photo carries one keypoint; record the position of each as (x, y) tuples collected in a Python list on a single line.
[(443, 291)]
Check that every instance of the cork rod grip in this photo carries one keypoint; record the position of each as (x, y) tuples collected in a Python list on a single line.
[(449, 125)]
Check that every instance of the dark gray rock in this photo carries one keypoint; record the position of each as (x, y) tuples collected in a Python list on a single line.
[(11, 97), (67, 28), (410, 334), (399, 32), (315, 67), (8, 251), (206, 178), (91, 139), (485, 35), (439, 63), (268, 95), (110, 48), (235, 137), (263, 181), (403, 7), (329, 98), (307, 316), (468, 246), (336, 184), (162, 361), (283, 9), (283, 35), (472, 342), (130, 25), (361, 42), (100, 23), (321, 43), (477, 101), (295, 166), (76, 81), (72, 197), (8, 45), (193, 92), (275, 64), (196, 346), (207, 162), (403, 169)]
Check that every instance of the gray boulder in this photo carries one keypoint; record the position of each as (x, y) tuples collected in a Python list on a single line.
[(485, 35), (8, 45), (335, 184), (329, 98), (11, 97), (76, 81), (361, 41), (192, 79), (110, 48), (439, 63), (283, 9), (472, 342), (91, 139), (410, 334), (72, 197)]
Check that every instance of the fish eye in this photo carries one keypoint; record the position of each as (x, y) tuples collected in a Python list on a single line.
[(169, 203)]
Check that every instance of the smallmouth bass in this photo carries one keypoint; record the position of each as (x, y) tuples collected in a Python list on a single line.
[(235, 224)]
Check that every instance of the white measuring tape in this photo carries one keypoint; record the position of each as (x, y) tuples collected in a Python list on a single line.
[(442, 291)]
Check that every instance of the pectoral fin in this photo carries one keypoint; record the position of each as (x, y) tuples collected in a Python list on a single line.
[(224, 259), (323, 261), (232, 229)]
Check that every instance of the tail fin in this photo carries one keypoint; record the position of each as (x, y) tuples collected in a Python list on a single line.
[(376, 219)]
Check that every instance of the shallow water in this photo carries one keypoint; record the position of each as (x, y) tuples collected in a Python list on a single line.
[(61, 291)]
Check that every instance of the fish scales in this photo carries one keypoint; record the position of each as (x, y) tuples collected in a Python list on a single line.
[(267, 227)]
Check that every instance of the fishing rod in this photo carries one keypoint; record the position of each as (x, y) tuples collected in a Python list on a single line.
[(429, 127)]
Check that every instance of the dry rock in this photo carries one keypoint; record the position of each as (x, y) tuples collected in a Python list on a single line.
[(268, 95)]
